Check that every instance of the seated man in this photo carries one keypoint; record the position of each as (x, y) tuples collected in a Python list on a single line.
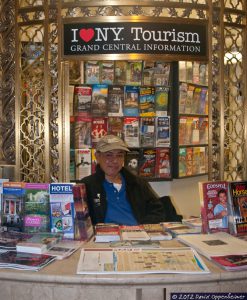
[(114, 194)]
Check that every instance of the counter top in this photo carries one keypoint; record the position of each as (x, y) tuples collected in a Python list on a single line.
[(61, 275), (64, 271)]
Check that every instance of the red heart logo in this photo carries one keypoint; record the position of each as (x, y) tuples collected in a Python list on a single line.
[(86, 34)]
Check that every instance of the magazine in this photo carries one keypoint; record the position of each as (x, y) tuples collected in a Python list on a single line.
[(237, 204), (24, 261), (213, 198)]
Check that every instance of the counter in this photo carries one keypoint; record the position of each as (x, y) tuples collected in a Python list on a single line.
[(58, 281)]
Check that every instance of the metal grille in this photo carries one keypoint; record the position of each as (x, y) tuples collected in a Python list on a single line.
[(7, 83), (228, 92), (32, 162), (38, 106)]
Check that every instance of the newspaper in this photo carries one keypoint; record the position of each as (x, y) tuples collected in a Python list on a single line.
[(140, 261)]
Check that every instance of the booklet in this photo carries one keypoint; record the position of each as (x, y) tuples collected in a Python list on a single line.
[(64, 249)]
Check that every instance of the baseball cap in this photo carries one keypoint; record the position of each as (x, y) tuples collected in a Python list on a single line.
[(111, 142)]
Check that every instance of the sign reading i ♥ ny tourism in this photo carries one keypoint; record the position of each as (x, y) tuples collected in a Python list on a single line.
[(185, 39)]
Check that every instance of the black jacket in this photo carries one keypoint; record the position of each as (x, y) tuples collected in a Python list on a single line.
[(146, 206)]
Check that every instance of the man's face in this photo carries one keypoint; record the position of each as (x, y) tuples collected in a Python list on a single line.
[(111, 162), (222, 198)]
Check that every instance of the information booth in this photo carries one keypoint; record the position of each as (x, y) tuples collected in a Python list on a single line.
[(45, 48)]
